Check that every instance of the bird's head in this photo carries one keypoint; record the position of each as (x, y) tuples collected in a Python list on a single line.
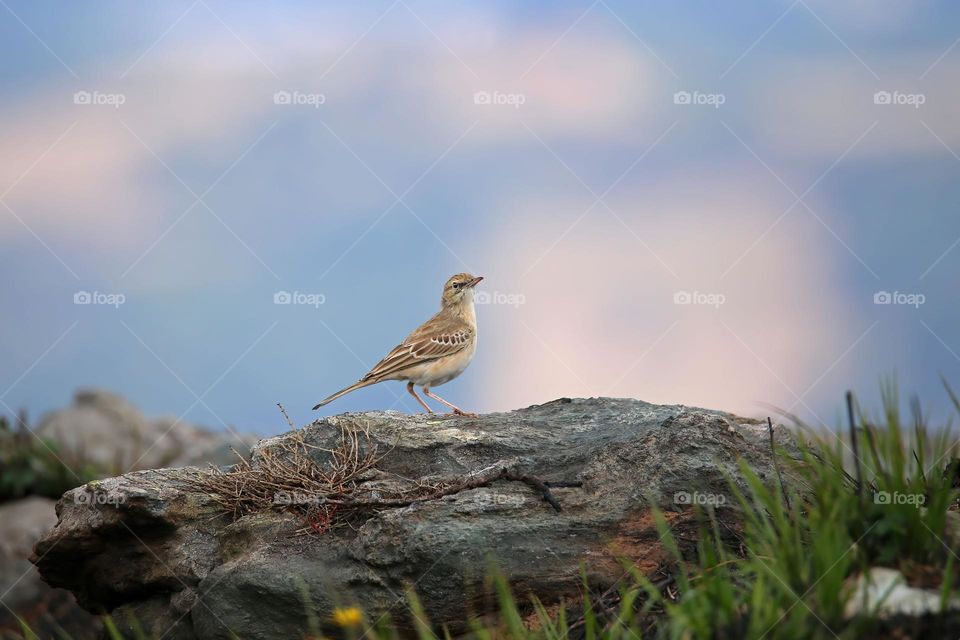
[(459, 289)]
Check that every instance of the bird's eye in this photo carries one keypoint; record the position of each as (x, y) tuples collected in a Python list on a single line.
[(457, 285)]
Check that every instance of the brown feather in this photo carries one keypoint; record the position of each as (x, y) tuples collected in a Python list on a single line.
[(441, 336)]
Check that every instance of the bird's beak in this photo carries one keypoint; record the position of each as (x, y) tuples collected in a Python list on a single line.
[(475, 282)]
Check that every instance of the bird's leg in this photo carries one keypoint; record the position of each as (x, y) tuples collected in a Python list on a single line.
[(457, 410), (419, 399)]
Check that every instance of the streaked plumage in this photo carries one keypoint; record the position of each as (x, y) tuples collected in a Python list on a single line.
[(435, 352)]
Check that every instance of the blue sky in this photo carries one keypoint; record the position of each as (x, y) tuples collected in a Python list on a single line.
[(783, 198)]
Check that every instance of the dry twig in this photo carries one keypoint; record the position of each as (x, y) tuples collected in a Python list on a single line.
[(327, 486)]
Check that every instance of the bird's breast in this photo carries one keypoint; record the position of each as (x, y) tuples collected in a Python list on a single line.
[(443, 370)]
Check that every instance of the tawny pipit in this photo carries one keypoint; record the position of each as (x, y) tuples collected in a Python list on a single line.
[(436, 352)]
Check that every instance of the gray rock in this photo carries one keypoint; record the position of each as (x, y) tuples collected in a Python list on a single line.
[(22, 593), (154, 546), (105, 431), (884, 592), (21, 524)]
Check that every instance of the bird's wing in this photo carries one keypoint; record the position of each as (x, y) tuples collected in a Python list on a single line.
[(439, 337)]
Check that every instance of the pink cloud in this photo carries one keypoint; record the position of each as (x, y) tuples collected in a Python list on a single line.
[(599, 317)]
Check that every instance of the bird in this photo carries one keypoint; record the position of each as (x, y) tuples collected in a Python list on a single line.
[(436, 352)]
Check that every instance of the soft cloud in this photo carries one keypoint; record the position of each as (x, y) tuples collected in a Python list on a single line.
[(99, 181), (599, 316), (821, 106), (94, 173)]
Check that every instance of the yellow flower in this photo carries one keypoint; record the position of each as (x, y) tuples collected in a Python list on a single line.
[(349, 617)]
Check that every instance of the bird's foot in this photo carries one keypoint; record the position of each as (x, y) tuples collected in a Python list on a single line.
[(465, 414)]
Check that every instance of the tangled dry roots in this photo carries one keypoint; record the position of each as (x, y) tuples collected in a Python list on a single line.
[(323, 486), (330, 487)]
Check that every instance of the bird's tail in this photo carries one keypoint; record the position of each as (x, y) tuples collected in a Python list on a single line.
[(343, 392)]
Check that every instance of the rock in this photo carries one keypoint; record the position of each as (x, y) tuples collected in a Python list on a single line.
[(22, 592), (153, 545), (21, 524), (105, 431), (884, 592)]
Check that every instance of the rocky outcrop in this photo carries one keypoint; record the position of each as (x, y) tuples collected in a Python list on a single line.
[(104, 431), (153, 545), (23, 594), (100, 434)]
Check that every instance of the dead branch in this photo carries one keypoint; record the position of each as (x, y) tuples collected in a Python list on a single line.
[(481, 479), (325, 487), (284, 412)]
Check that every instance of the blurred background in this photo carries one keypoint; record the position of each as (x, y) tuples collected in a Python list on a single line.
[(207, 208), (211, 207)]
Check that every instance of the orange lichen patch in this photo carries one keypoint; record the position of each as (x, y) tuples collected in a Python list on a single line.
[(531, 621), (638, 541)]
